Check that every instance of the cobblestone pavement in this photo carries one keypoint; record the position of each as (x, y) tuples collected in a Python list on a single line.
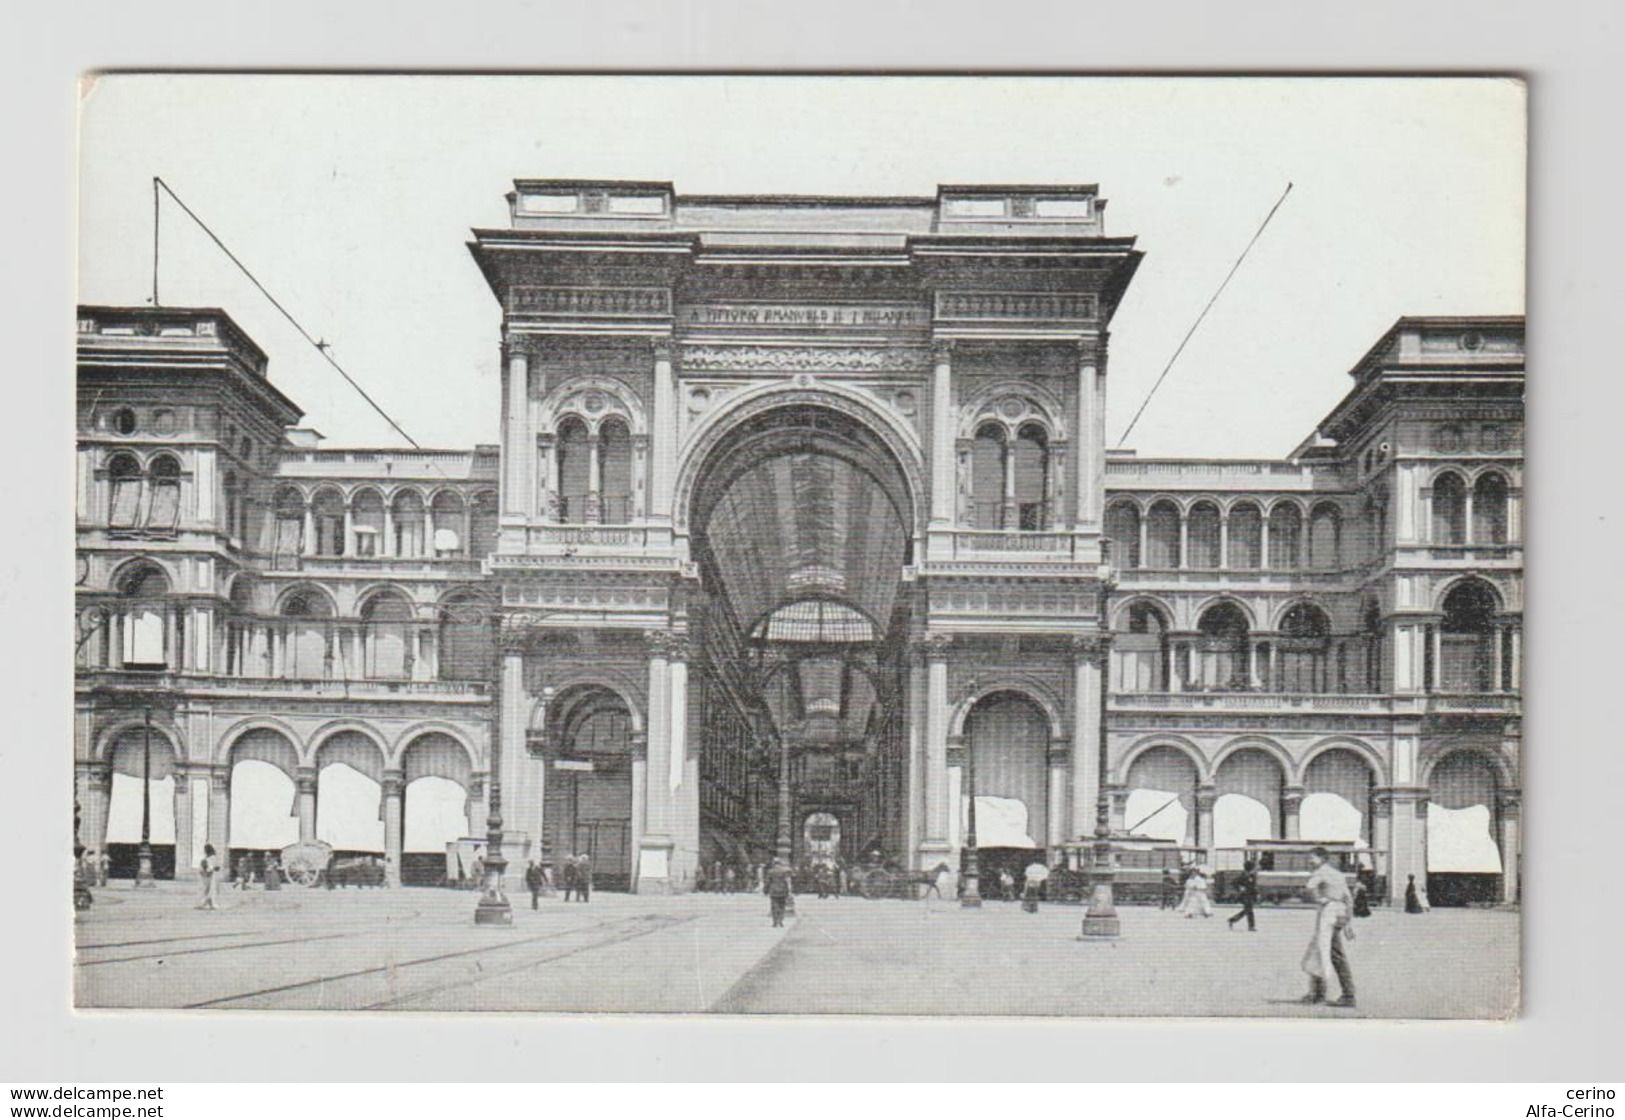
[(418, 949), (934, 958)]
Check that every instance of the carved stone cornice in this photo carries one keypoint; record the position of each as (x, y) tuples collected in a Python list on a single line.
[(803, 359)]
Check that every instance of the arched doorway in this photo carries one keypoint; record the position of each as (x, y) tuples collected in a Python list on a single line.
[(139, 759), (349, 794), (588, 796), (1161, 795), (263, 811), (436, 779), (1249, 783), (802, 518), (1464, 857), (1337, 790), (1007, 744)]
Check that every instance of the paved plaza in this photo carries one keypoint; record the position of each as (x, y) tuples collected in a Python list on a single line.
[(418, 950)]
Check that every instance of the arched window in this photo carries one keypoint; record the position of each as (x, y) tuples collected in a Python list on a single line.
[(574, 471), (407, 512), (1141, 653), (1202, 531), (388, 618), (1246, 533), (450, 519), (1467, 641), (1325, 537), (483, 525), (1030, 465), (1162, 536), (1123, 530), (987, 477), (367, 522), (124, 509), (1286, 531), (164, 503), (1449, 509), (465, 639), (328, 512), (1490, 509), (145, 641), (1302, 652), (615, 466), (233, 502), (307, 636), (288, 509), (1221, 650)]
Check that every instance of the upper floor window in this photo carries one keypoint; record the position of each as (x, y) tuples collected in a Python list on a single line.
[(1449, 509), (1010, 478), (1286, 536), (1490, 509), (1162, 536), (1202, 535), (1246, 527), (1123, 530), (149, 501), (144, 637), (1325, 537), (574, 470)]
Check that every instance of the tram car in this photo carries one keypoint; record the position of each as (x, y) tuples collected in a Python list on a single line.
[(1139, 863), (1284, 867)]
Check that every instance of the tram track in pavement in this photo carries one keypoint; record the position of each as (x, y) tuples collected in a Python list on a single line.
[(647, 924), (210, 949)]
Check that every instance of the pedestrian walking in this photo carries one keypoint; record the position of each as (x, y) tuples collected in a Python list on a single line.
[(1196, 896), (208, 869), (1007, 884), (583, 877), (1033, 885), (1413, 899), (533, 880), (273, 872), (568, 871), (1247, 895), (104, 863), (1327, 953), (778, 890), (1170, 890), (1364, 884)]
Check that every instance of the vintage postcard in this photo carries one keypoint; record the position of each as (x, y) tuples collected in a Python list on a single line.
[(785, 545)]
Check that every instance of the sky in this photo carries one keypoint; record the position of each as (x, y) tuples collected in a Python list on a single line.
[(352, 197)]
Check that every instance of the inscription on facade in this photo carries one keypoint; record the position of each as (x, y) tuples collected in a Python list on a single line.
[(867, 316)]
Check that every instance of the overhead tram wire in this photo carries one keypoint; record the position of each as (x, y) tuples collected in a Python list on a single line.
[(1180, 349), (320, 347)]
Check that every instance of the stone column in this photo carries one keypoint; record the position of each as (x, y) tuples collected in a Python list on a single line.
[(523, 779), (942, 437), (304, 796), (386, 546), (347, 542), (476, 807), (308, 545), (594, 480), (1509, 810), (1382, 839), (95, 781), (1008, 518), (220, 812), (394, 784), (185, 859), (1206, 795), (1057, 817), (1436, 671), (1184, 541), (1089, 439), (1407, 838), (662, 438), (516, 447), (1291, 801), (1497, 658), (1515, 636), (1224, 539), (935, 845), (1088, 694)]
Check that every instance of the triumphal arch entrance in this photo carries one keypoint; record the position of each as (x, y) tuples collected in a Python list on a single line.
[(800, 542)]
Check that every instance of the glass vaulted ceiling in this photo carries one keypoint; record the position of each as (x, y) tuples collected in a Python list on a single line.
[(807, 547)]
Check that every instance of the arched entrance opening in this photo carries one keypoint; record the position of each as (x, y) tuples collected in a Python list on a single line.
[(802, 520), (436, 778), (138, 761), (349, 794), (263, 811), (1464, 861), (1161, 804), (1007, 743), (588, 796), (1337, 791), (1249, 783)]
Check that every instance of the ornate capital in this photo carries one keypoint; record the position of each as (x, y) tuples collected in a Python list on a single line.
[(942, 350), (476, 786), (1205, 798), (98, 776), (1510, 804), (1382, 806), (220, 779), (661, 349), (666, 645), (1089, 647), (935, 647), (394, 783), (1292, 798), (304, 780)]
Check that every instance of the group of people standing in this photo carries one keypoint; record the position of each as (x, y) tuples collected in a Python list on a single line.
[(574, 876), (93, 867), (727, 878)]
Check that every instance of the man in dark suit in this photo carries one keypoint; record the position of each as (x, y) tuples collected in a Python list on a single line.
[(777, 887), (1247, 894), (533, 880)]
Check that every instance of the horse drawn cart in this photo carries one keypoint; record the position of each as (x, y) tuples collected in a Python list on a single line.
[(305, 862)]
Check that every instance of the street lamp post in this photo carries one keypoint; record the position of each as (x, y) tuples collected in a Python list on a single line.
[(1101, 923), (494, 909), (143, 867), (972, 896)]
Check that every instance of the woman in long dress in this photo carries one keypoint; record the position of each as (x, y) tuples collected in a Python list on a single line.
[(208, 868), (1196, 896), (1413, 904)]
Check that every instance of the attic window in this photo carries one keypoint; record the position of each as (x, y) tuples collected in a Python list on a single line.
[(1063, 207), (975, 207), (549, 203), (637, 204)]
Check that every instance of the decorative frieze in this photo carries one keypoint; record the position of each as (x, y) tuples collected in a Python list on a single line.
[(806, 359), (1048, 306), (615, 302)]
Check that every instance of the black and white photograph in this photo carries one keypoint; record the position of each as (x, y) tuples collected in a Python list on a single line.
[(783, 545)]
